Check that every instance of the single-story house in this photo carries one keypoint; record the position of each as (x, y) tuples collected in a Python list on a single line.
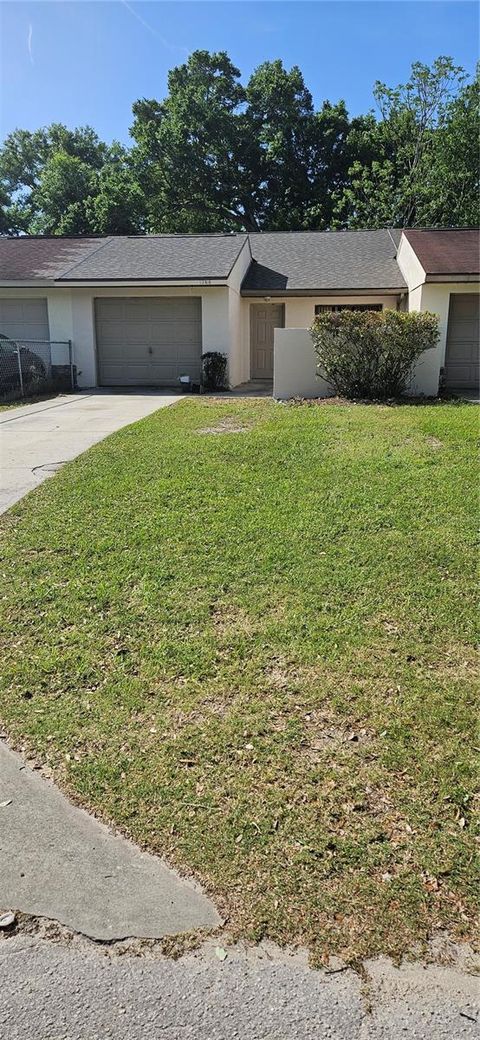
[(141, 310)]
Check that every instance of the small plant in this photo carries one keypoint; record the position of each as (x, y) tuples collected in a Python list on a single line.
[(371, 354), (214, 370)]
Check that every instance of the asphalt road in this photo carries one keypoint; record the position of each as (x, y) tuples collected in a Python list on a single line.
[(51, 991)]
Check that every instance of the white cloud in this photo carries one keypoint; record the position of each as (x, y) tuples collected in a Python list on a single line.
[(30, 43)]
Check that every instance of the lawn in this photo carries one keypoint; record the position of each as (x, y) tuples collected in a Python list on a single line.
[(244, 632)]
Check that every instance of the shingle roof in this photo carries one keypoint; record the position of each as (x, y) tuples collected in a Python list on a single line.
[(283, 262), (122, 258), (26, 258), (160, 257), (323, 260), (446, 251)]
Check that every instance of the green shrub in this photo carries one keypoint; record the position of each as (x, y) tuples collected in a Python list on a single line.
[(214, 370), (371, 354)]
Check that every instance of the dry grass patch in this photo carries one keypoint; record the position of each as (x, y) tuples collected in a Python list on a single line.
[(227, 425)]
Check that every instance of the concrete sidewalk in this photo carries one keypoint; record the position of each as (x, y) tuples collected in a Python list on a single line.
[(36, 439), (59, 862)]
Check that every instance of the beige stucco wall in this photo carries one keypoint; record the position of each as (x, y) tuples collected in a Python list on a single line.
[(238, 348), (410, 265), (71, 314), (434, 297), (299, 314), (296, 374), (295, 366), (59, 311)]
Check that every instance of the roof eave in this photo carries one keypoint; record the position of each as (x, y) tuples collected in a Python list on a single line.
[(459, 277), (138, 282), (27, 283), (390, 291)]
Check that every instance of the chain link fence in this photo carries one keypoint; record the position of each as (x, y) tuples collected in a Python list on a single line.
[(30, 367)]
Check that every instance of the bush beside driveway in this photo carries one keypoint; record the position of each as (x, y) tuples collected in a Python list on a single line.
[(244, 633)]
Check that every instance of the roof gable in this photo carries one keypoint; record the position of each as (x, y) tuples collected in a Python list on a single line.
[(160, 258), (446, 250), (323, 261)]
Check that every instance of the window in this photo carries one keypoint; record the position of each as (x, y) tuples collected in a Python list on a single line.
[(322, 308)]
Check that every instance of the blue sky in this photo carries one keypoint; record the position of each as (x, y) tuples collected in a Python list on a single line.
[(86, 62)]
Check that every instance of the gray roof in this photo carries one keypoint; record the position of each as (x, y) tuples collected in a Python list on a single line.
[(29, 259), (159, 258), (283, 262), (122, 258), (323, 260)]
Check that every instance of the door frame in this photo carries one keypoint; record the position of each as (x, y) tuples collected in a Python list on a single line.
[(265, 303)]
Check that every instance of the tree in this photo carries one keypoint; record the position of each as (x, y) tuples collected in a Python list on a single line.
[(390, 188), (451, 189), (280, 120), (63, 187), (67, 182), (216, 155), (118, 204), (192, 151)]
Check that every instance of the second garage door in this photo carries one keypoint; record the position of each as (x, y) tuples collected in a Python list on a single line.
[(24, 319), (461, 360), (148, 341)]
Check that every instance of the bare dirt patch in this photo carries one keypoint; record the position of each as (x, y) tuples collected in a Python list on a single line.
[(227, 425), (229, 620)]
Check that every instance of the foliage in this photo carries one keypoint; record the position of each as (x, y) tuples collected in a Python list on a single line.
[(293, 726), (420, 154), (188, 149), (218, 155), (68, 182), (451, 191), (370, 354), (214, 370)]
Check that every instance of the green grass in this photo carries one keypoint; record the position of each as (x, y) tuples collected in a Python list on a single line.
[(253, 651)]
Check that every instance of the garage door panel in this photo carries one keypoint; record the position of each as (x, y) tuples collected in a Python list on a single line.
[(137, 334), (186, 333), (109, 309), (171, 333), (176, 308), (148, 340), (464, 305), (458, 329), (126, 374), (137, 309), (461, 357), (465, 373), (25, 319), (110, 332)]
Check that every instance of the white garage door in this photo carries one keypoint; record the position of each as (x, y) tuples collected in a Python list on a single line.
[(24, 319), (461, 359), (148, 341)]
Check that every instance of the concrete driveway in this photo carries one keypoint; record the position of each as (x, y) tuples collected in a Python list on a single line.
[(36, 439)]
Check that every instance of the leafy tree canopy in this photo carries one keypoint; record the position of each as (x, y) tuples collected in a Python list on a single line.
[(219, 155)]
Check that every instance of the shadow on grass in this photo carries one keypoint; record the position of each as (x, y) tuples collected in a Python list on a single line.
[(389, 402)]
